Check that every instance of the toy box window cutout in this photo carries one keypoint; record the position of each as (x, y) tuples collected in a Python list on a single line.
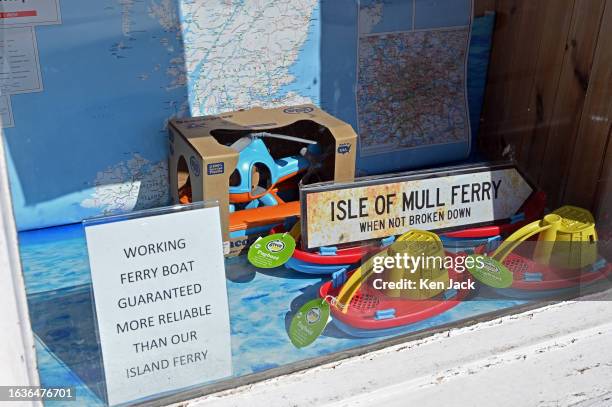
[(271, 163), (184, 181)]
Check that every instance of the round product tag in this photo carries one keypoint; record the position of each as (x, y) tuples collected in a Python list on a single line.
[(271, 251), (309, 322), (491, 272)]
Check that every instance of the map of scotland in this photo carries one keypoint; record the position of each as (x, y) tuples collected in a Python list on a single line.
[(124, 68)]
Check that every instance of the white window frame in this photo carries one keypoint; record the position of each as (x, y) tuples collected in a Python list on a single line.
[(17, 351)]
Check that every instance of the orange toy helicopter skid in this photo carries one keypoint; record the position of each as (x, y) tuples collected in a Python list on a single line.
[(251, 218), (265, 215)]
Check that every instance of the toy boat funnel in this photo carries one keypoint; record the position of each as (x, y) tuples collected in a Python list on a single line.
[(564, 256), (567, 239), (414, 243)]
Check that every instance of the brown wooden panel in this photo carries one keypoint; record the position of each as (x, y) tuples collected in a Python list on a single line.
[(517, 118), (596, 123), (501, 50), (557, 20), (515, 36), (573, 85), (603, 200), (482, 6)]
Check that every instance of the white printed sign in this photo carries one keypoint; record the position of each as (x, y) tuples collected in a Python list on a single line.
[(29, 12), (374, 209), (161, 302), (19, 64)]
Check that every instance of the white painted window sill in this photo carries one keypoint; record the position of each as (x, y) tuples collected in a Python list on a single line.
[(558, 355)]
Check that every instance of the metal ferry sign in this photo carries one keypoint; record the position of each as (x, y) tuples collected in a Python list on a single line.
[(377, 207)]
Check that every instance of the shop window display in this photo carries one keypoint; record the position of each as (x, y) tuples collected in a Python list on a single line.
[(337, 138)]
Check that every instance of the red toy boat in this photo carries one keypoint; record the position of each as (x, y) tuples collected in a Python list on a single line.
[(376, 314), (564, 256), (361, 310), (532, 276)]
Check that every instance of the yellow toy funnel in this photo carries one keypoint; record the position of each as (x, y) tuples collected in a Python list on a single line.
[(414, 243), (567, 235)]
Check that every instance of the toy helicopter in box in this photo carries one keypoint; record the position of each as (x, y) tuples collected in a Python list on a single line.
[(251, 163), (258, 179)]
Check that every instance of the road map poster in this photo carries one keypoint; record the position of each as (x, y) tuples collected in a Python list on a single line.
[(412, 74)]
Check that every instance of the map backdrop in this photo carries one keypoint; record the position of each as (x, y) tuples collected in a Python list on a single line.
[(86, 91)]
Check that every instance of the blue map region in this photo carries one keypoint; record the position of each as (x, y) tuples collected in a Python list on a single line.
[(430, 14), (94, 140), (107, 95), (307, 68), (395, 15), (406, 15)]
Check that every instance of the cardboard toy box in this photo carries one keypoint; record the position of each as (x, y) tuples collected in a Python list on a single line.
[(215, 157)]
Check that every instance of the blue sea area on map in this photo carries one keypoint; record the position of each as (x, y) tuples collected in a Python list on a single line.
[(106, 96), (432, 14), (397, 15), (308, 62)]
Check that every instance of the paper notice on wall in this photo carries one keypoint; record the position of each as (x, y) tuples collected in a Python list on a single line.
[(19, 63), (6, 112), (29, 12)]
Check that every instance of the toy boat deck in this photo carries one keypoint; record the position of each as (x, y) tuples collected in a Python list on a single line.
[(360, 308), (372, 313), (529, 275), (534, 281)]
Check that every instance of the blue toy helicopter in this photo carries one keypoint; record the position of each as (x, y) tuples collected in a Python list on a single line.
[(255, 180)]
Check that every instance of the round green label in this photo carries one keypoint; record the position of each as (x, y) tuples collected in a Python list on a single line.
[(271, 251), (309, 322), (491, 272)]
